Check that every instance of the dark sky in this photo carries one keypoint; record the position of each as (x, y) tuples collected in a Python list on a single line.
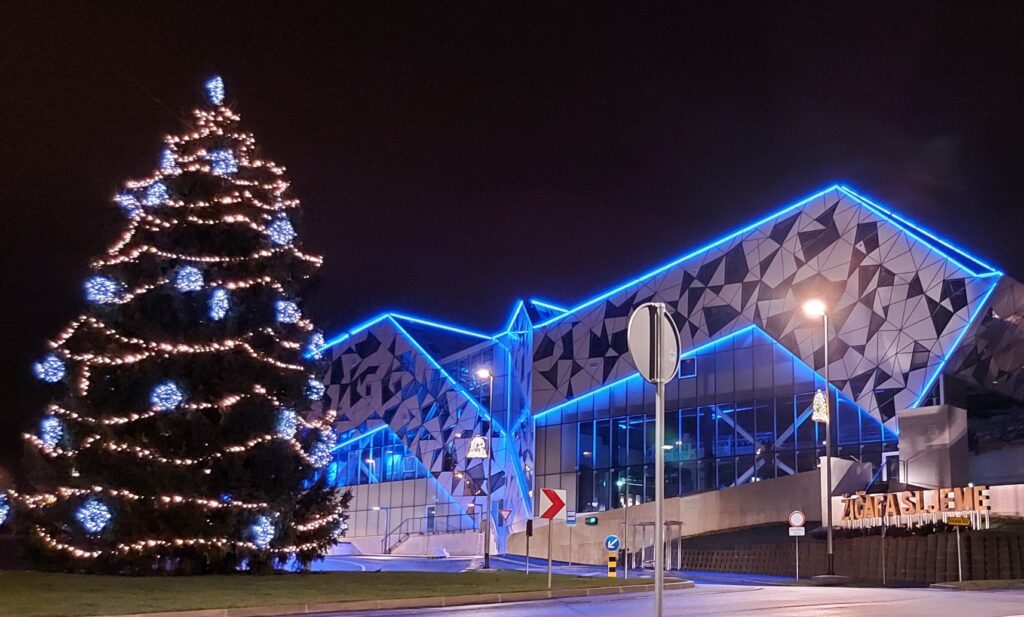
[(452, 157)]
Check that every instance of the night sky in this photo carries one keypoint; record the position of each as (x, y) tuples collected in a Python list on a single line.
[(452, 158)]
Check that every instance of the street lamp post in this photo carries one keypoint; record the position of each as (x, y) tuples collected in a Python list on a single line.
[(485, 373), (817, 308)]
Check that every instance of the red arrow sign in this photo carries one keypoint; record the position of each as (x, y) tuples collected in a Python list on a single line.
[(552, 503)]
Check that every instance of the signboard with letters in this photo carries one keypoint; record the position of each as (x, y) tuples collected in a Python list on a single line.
[(914, 506)]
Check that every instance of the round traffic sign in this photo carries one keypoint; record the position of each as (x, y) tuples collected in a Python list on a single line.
[(797, 518), (653, 342), (612, 543)]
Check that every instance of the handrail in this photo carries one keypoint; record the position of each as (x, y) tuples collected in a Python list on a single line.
[(425, 525)]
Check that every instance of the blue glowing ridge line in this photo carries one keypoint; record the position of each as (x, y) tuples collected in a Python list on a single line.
[(342, 336), (351, 441), (903, 224), (711, 343), (472, 400), (441, 326), (548, 305), (956, 344), (688, 256), (520, 305)]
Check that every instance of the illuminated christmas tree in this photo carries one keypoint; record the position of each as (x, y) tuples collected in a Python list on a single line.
[(178, 439)]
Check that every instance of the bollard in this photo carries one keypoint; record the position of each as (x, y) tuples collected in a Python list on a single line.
[(612, 565)]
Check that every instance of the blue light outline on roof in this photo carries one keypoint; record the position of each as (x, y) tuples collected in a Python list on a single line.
[(903, 223), (548, 305), (886, 214), (442, 326), (481, 410), (347, 442), (519, 306), (696, 350), (956, 344), (690, 255)]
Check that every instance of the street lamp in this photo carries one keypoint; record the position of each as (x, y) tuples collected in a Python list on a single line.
[(822, 413), (485, 373)]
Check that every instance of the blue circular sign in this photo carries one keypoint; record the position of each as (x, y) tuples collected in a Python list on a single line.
[(612, 543)]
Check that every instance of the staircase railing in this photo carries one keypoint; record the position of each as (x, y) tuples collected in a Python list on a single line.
[(427, 525)]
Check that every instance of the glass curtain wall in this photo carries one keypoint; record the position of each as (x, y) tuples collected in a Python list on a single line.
[(738, 412)]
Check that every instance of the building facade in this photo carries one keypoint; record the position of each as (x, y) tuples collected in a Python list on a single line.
[(914, 321)]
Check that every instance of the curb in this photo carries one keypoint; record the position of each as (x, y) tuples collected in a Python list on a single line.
[(438, 602)]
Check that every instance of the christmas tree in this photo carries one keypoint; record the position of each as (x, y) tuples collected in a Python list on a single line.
[(178, 439)]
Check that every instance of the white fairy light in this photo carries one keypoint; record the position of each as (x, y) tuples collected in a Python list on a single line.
[(315, 389), (281, 231), (129, 203), (287, 311), (50, 369), (287, 423), (323, 450), (219, 304), (188, 278), (222, 162), (263, 531), (51, 431), (168, 162), (93, 515), (215, 90), (101, 289), (166, 396)]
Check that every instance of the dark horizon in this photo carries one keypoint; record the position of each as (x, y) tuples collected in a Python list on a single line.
[(450, 160)]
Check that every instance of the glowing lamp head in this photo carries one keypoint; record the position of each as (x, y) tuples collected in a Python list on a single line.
[(483, 373), (814, 308)]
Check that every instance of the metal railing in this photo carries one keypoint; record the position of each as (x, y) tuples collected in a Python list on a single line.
[(427, 525)]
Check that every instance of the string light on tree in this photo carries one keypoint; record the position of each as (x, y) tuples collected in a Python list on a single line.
[(50, 369), (101, 289), (93, 515), (5, 509), (51, 431), (195, 225), (215, 90), (156, 194), (219, 304), (166, 396), (315, 347), (188, 278), (287, 311), (263, 531), (287, 423), (222, 162), (281, 231), (315, 389)]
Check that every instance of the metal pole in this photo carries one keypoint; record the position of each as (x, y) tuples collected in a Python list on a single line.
[(549, 551), (570, 545), (625, 530), (490, 460), (659, 464), (527, 553), (828, 454), (797, 538), (959, 564)]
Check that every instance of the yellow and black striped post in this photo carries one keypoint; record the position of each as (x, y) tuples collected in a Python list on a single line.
[(612, 565)]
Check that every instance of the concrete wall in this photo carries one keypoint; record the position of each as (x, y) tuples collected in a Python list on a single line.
[(933, 446), (750, 504)]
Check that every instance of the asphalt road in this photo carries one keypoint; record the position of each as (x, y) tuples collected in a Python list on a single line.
[(739, 600)]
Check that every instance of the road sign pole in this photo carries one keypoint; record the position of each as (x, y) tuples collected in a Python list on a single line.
[(959, 563), (570, 545), (550, 530), (797, 538), (625, 531), (659, 462), (527, 554)]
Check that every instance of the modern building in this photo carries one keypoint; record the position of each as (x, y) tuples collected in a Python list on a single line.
[(915, 323)]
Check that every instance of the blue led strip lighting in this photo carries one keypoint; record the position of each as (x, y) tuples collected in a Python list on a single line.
[(548, 305), (956, 344), (481, 410), (696, 350), (910, 228), (349, 442)]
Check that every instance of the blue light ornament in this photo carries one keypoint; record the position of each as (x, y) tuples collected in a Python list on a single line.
[(50, 369), (93, 515)]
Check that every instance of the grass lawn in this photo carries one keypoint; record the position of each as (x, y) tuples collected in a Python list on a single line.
[(1011, 583), (43, 594)]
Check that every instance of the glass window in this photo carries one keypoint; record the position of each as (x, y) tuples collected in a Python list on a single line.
[(743, 359), (636, 439), (649, 442), (585, 491), (585, 445), (602, 490), (725, 376), (706, 378), (726, 472), (762, 360), (602, 445), (671, 480), (746, 443), (706, 431), (687, 367), (688, 434)]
